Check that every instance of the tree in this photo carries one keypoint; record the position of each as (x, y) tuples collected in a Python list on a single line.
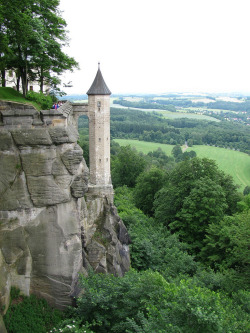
[(196, 192), (177, 152), (126, 167), (147, 184), (205, 204), (150, 304), (226, 247), (35, 33), (246, 190)]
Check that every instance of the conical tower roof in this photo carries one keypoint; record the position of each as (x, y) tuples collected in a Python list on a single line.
[(99, 86)]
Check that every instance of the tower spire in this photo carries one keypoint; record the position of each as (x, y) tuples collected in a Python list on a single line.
[(99, 86)]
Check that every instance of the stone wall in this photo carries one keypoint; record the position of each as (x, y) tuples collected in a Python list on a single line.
[(51, 227)]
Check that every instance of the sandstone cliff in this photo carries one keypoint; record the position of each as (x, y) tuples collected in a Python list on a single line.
[(51, 226)]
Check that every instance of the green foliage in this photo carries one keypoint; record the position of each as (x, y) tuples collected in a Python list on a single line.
[(244, 204), (197, 194), (147, 184), (180, 156), (45, 101), (84, 143), (159, 158), (191, 309), (177, 152), (145, 105), (152, 245), (30, 315), (234, 163), (10, 94), (126, 167), (246, 190), (33, 35), (158, 307), (102, 304), (14, 293), (71, 326), (227, 246), (204, 205), (152, 127)]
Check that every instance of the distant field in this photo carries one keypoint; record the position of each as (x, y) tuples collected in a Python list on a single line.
[(145, 147), (179, 114), (168, 114), (232, 162)]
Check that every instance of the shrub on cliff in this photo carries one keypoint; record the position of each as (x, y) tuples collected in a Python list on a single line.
[(30, 315), (45, 101)]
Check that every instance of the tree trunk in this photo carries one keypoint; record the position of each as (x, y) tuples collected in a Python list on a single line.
[(41, 81), (24, 81), (3, 79), (18, 83)]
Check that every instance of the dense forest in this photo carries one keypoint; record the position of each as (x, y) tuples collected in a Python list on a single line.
[(152, 127)]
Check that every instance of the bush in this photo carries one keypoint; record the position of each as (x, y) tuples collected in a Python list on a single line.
[(45, 101), (30, 315), (145, 302), (71, 326)]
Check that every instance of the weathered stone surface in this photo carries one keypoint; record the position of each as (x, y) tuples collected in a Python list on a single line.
[(72, 159), (58, 168), (44, 191), (38, 162), (103, 250), (13, 244), (2, 326), (61, 135), (55, 246), (79, 186), (52, 226), (9, 168), (5, 284), (13, 189), (16, 196), (96, 253), (6, 142), (31, 137), (63, 181)]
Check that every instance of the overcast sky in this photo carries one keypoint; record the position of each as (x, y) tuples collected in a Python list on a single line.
[(157, 46)]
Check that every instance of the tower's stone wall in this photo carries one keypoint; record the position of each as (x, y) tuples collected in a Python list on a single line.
[(99, 139)]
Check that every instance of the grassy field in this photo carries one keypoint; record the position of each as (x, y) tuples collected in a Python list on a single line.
[(232, 162), (179, 114), (167, 114)]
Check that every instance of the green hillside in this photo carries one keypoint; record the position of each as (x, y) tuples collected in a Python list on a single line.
[(234, 163), (10, 94)]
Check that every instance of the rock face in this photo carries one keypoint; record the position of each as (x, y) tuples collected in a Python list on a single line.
[(51, 227)]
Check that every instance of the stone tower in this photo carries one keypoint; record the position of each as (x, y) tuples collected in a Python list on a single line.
[(99, 133)]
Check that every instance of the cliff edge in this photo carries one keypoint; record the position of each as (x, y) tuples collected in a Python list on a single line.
[(51, 226)]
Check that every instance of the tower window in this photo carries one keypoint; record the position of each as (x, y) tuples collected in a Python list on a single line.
[(99, 139), (99, 104)]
